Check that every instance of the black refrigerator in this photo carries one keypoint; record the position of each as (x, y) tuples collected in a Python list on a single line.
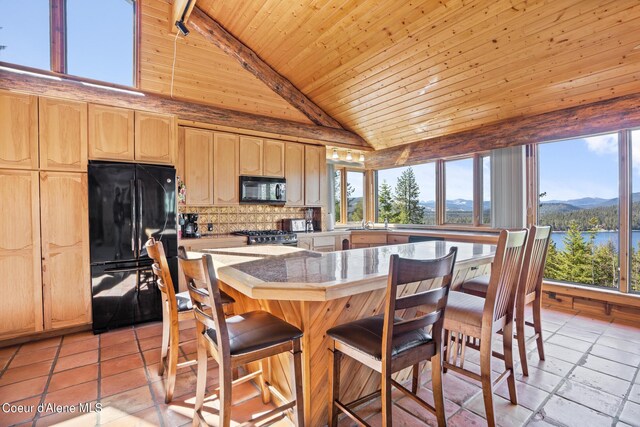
[(129, 203)]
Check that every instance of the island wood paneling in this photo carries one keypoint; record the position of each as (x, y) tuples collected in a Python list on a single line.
[(314, 318), (402, 72)]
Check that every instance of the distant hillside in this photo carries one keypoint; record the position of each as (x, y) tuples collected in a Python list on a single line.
[(460, 205), (558, 207)]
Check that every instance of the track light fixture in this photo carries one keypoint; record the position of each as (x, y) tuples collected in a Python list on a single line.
[(335, 155), (349, 156), (182, 28)]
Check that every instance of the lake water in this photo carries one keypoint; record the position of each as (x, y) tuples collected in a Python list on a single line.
[(602, 237)]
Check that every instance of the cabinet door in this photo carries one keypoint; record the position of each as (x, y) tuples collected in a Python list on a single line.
[(156, 137), (294, 174), (66, 281), (110, 133), (198, 166), (21, 289), (63, 135), (273, 158), (250, 156), (18, 131), (225, 169), (315, 171)]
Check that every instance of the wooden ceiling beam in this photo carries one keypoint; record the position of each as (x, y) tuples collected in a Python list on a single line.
[(221, 38), (59, 86), (599, 117), (179, 8)]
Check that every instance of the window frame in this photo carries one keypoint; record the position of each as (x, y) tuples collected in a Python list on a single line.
[(342, 221)]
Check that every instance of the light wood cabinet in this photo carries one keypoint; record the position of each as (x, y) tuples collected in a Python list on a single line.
[(294, 174), (18, 131), (198, 166), (66, 280), (225, 169), (273, 158), (315, 175), (21, 290), (111, 133), (155, 138), (251, 150), (63, 135)]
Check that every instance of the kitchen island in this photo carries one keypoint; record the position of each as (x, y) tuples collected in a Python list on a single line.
[(316, 291)]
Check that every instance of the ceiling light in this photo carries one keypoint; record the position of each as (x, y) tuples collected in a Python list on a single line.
[(362, 157), (335, 156), (349, 156)]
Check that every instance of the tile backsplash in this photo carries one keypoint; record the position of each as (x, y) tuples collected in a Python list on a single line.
[(227, 219)]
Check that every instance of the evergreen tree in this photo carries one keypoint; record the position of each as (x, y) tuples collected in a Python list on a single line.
[(605, 265), (635, 268), (553, 267), (337, 178), (576, 265), (385, 203), (407, 199), (354, 205)]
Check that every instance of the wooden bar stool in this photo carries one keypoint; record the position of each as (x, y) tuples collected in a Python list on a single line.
[(236, 341), (388, 344), (469, 318), (175, 309), (529, 291)]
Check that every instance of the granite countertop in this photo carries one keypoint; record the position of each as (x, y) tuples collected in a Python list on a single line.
[(289, 273), (215, 236)]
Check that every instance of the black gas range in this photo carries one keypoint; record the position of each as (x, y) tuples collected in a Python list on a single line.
[(269, 237)]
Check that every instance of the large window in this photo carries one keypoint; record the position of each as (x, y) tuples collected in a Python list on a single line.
[(634, 284), (459, 191), (349, 195), (355, 196), (579, 188), (486, 190), (407, 195), (92, 39), (337, 195)]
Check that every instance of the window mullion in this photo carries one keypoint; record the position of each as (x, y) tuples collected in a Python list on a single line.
[(624, 150), (477, 190)]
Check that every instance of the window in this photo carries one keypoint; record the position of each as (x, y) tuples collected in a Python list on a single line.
[(337, 194), (459, 191), (355, 196), (582, 207), (96, 40), (634, 284), (486, 190), (407, 195)]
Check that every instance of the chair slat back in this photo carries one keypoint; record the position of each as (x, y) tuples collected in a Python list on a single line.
[(505, 274), (200, 274), (535, 258), (161, 270), (403, 271)]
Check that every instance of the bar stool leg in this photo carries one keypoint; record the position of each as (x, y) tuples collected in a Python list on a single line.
[(507, 346), (166, 323), (172, 362), (266, 394), (437, 389), (225, 396), (201, 383), (334, 383), (487, 384), (386, 396), (537, 324), (415, 381), (522, 342), (298, 416)]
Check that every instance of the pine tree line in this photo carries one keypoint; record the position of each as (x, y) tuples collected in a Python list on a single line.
[(402, 204)]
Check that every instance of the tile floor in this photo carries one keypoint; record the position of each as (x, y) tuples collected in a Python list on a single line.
[(589, 378)]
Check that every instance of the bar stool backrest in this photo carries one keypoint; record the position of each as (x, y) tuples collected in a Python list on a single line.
[(161, 270), (535, 258)]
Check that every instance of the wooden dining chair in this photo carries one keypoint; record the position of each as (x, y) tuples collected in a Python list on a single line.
[(529, 291), (176, 308), (236, 341), (388, 343), (472, 321)]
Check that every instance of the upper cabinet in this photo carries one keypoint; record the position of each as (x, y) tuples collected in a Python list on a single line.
[(315, 175), (251, 154), (198, 166), (294, 174), (273, 158), (155, 138), (110, 133), (226, 169), (18, 131), (63, 135)]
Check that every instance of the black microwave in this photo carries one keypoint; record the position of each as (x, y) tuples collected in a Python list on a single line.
[(263, 190)]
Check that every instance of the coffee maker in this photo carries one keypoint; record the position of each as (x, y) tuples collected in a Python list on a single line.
[(190, 225)]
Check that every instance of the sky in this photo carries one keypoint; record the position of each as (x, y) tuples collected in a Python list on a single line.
[(99, 41)]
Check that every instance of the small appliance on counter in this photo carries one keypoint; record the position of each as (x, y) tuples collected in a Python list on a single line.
[(308, 216), (268, 237), (190, 226), (295, 225)]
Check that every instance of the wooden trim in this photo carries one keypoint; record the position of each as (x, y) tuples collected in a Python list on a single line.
[(624, 155), (598, 117), (137, 31), (216, 34), (605, 295), (477, 190), (58, 34), (74, 89), (31, 336)]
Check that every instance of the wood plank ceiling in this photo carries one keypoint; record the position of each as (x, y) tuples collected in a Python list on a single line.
[(399, 72), (203, 73)]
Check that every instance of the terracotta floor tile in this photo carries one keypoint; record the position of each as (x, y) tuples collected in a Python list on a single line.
[(19, 412), (125, 403), (550, 364), (149, 330), (40, 344), (422, 414), (608, 367), (117, 350), (68, 419), (23, 389), (616, 355), (7, 352), (540, 379), (73, 395), (116, 337), (152, 372), (23, 358), (631, 413), (80, 336), (456, 389), (122, 382), (74, 347), (176, 413), (240, 413), (634, 395), (150, 343), (590, 397), (151, 356), (25, 372), (528, 396), (146, 418), (628, 346), (600, 381), (72, 377), (506, 413), (75, 360), (185, 386), (582, 334), (569, 342), (562, 353), (4, 361), (121, 364), (570, 413), (466, 418)]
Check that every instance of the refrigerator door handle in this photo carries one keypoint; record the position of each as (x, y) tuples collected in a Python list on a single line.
[(140, 217), (133, 216)]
